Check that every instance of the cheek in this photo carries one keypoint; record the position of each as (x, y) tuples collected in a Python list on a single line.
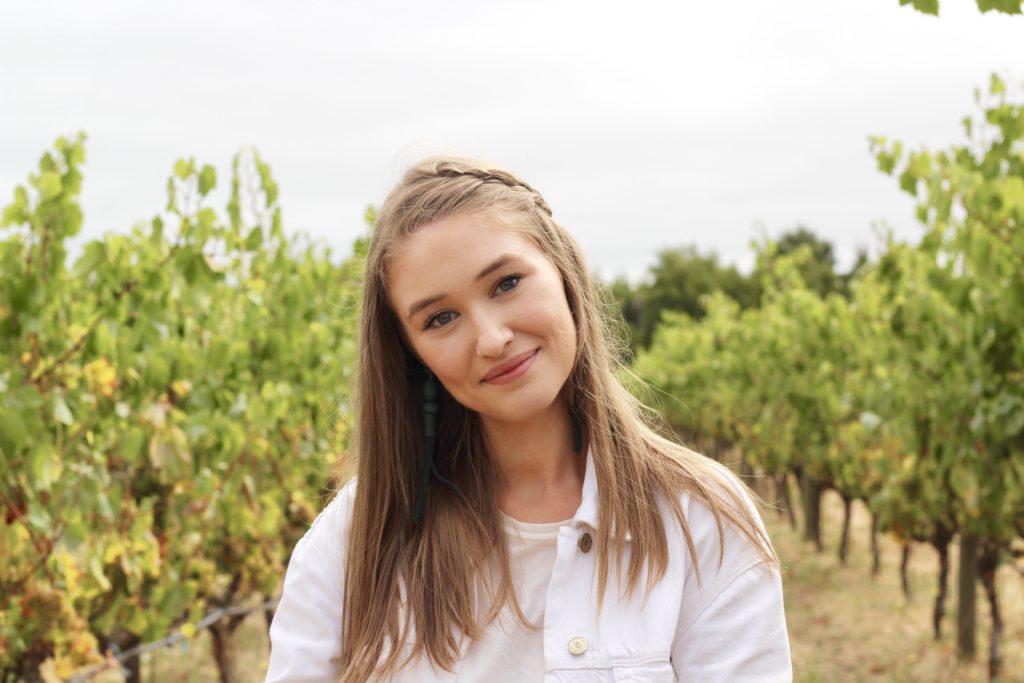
[(556, 320), (447, 360)]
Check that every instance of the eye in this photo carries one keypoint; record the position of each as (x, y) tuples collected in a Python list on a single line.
[(439, 319), (507, 283)]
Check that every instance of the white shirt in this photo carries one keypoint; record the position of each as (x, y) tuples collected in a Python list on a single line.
[(509, 651), (729, 628)]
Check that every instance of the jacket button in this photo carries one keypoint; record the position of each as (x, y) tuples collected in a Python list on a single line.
[(578, 645), (586, 542)]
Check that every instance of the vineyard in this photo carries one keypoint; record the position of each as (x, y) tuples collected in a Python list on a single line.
[(174, 401), (172, 405), (907, 395)]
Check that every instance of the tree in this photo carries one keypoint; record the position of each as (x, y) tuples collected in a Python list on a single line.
[(679, 281), (817, 269)]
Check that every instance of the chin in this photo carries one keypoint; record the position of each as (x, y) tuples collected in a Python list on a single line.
[(522, 407)]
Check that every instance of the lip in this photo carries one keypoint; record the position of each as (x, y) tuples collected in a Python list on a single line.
[(511, 369)]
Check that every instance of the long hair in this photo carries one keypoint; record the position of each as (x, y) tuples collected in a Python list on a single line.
[(413, 589)]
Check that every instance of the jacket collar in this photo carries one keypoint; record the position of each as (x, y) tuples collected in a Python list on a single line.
[(587, 512)]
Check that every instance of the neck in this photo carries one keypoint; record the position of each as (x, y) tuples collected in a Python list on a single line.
[(541, 476)]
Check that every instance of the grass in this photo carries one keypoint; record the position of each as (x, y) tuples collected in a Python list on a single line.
[(844, 625)]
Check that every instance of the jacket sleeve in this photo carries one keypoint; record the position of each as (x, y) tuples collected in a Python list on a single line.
[(732, 623), (305, 635), (740, 636)]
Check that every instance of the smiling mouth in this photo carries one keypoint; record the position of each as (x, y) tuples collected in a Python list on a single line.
[(512, 369)]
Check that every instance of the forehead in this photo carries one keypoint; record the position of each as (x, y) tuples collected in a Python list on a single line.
[(450, 252)]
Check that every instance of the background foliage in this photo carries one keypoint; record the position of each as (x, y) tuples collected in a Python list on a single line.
[(902, 388), (172, 400)]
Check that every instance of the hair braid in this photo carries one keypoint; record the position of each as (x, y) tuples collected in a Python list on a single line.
[(447, 169)]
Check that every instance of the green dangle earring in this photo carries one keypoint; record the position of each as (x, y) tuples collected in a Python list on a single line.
[(431, 408), (577, 430)]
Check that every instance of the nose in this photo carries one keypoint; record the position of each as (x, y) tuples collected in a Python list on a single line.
[(493, 335)]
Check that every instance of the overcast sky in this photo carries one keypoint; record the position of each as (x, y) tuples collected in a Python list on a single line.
[(644, 124)]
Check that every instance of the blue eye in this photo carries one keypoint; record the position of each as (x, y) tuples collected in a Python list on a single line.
[(439, 319), (508, 283)]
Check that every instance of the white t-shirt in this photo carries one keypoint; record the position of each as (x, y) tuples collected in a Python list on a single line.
[(509, 651)]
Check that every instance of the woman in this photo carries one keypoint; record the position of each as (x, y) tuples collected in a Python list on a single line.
[(515, 519)]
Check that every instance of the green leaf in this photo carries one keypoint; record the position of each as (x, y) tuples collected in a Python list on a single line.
[(206, 219), (75, 154), (156, 235), (922, 213), (172, 195), (48, 184), (1004, 6), (183, 168), (218, 354), (254, 240), (38, 517), (925, 6), (908, 182), (185, 262), (207, 179), (17, 212), (75, 530), (158, 372), (13, 434), (94, 254), (132, 443), (47, 163), (996, 84), (44, 467)]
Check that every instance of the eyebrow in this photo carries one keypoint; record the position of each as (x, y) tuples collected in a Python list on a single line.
[(494, 265)]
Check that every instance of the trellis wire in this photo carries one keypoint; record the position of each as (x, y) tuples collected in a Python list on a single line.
[(139, 650)]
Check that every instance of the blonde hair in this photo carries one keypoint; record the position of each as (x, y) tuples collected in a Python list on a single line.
[(416, 584)]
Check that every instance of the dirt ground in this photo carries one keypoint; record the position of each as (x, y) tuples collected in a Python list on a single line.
[(844, 626)]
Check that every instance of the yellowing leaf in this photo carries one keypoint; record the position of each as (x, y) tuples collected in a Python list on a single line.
[(101, 377), (69, 569), (64, 668), (188, 630), (113, 551), (96, 572), (181, 387)]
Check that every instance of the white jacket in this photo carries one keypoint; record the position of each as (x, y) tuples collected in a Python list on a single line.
[(730, 628)]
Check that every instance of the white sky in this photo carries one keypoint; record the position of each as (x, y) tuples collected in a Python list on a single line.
[(644, 124)]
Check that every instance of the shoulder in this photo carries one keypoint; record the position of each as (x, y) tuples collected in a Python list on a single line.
[(305, 634), (732, 623), (323, 548), (724, 522), (337, 514), (328, 534), (731, 549)]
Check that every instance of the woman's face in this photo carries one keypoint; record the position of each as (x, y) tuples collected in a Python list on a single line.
[(486, 311)]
